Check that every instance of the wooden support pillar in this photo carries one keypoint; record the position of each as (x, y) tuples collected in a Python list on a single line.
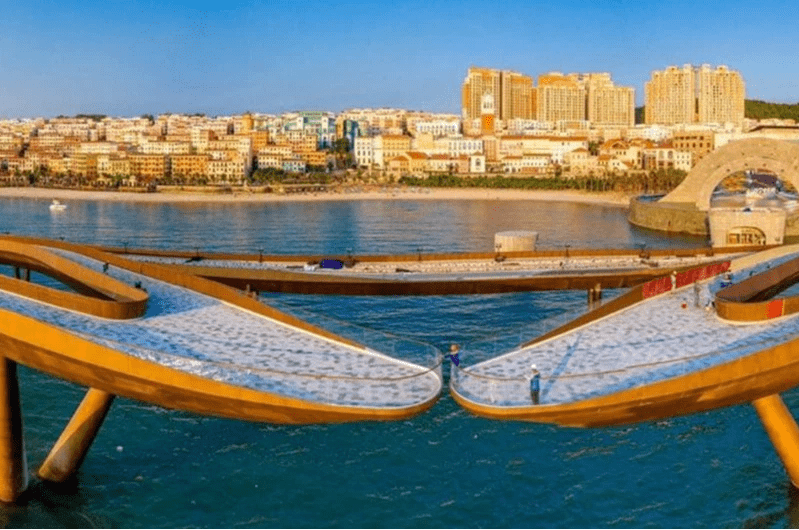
[(17, 273), (27, 275), (13, 461), (71, 447), (781, 428)]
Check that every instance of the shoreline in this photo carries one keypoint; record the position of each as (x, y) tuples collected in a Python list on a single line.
[(244, 196)]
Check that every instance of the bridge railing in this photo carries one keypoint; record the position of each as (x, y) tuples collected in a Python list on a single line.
[(480, 385), (404, 384), (400, 348)]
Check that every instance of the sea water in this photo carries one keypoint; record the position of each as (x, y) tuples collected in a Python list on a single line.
[(151, 467)]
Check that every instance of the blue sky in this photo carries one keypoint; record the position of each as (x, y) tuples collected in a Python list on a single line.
[(126, 58)]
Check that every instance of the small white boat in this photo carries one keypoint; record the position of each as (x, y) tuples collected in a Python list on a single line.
[(57, 206)]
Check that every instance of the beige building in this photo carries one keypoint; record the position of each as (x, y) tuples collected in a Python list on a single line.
[(389, 146), (698, 143), (113, 165), (512, 93), (664, 157), (188, 166), (516, 96), (478, 82), (560, 98), (695, 95), (721, 96), (608, 104), (670, 96), (375, 121), (148, 167)]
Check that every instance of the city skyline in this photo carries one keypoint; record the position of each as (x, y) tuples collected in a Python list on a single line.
[(132, 58)]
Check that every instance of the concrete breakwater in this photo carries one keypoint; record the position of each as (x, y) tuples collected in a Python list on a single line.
[(683, 218)]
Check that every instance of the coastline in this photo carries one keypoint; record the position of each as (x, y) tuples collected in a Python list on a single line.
[(178, 196)]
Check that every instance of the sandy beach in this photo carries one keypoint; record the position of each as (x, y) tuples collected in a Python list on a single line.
[(172, 195)]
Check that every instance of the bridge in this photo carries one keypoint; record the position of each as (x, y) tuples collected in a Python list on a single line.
[(153, 334), (158, 331), (677, 345), (420, 274), (686, 208)]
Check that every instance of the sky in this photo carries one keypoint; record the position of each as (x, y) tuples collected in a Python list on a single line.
[(134, 57)]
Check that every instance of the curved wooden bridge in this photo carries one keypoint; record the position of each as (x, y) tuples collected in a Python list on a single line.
[(678, 345), (467, 273), (684, 342), (183, 342)]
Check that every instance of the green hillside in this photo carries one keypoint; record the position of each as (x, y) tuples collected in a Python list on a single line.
[(761, 110)]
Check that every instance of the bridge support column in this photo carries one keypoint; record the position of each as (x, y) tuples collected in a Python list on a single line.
[(13, 461), (781, 428), (71, 447)]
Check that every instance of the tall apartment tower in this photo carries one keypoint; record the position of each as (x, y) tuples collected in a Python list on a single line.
[(721, 95), (560, 98), (694, 95), (608, 104), (517, 96), (512, 93)]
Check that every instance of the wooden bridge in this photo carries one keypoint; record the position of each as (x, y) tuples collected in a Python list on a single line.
[(157, 335), (149, 326)]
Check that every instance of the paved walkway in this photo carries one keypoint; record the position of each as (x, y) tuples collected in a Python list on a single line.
[(663, 337), (201, 335), (458, 269)]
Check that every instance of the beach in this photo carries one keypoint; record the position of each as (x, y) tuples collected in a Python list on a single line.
[(256, 195)]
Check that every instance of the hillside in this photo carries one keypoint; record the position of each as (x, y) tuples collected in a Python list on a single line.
[(761, 110)]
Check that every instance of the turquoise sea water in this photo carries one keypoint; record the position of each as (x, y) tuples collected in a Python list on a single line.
[(150, 467)]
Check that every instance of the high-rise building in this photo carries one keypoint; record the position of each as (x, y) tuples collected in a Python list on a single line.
[(511, 91), (479, 82), (694, 95), (560, 98), (516, 91), (721, 95), (608, 104)]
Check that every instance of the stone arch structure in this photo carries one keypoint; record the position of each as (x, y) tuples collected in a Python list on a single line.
[(776, 156)]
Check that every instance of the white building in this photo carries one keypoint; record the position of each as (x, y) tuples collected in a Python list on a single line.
[(464, 145), (364, 151)]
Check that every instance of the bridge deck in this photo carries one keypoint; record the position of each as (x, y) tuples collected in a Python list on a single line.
[(440, 276), (655, 340), (200, 335)]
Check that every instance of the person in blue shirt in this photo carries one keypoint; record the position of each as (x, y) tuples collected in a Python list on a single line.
[(535, 384), (453, 354)]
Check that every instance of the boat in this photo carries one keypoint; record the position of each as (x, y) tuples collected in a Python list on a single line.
[(57, 206)]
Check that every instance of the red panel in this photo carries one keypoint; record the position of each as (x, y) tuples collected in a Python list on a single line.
[(775, 308)]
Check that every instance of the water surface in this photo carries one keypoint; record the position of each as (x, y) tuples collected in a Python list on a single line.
[(150, 467)]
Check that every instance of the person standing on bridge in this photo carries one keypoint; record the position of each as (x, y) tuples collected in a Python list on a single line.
[(453, 354), (535, 384)]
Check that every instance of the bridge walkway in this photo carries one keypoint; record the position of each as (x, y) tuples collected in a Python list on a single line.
[(673, 334), (207, 337)]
